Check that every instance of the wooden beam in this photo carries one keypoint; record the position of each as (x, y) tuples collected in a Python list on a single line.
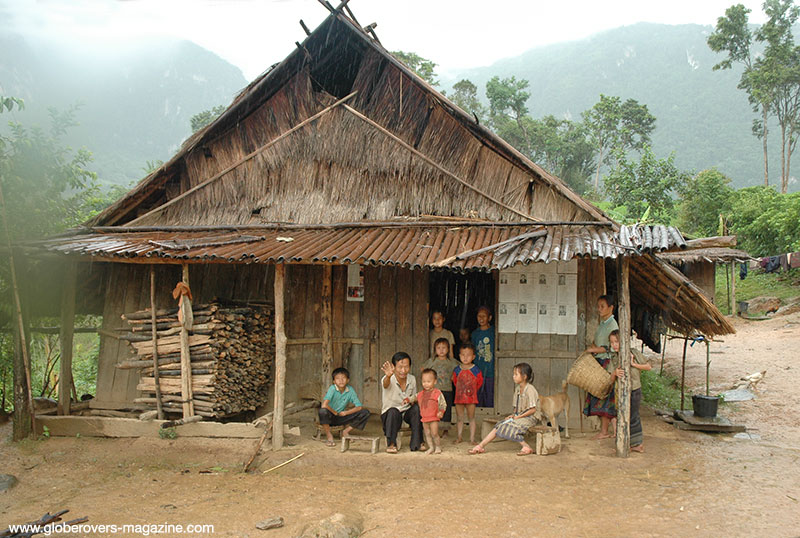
[(159, 404), (723, 241), (186, 360), (732, 310), (66, 334), (623, 388), (280, 356), (327, 340)]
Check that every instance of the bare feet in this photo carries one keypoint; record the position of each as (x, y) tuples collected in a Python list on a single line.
[(601, 435), (637, 448), (438, 450), (443, 434), (458, 440), (429, 451)]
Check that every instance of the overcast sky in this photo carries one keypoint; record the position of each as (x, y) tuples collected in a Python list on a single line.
[(253, 34)]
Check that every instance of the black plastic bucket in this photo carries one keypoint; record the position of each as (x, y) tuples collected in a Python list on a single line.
[(705, 406)]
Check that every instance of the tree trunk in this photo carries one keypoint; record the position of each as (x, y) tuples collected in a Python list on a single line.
[(623, 386), (23, 427), (764, 117), (67, 331), (783, 155)]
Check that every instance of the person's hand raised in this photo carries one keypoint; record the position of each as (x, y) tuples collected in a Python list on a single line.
[(388, 368)]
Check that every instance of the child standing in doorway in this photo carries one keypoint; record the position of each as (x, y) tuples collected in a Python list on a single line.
[(467, 379), (438, 332), (443, 366), (483, 341), (431, 409)]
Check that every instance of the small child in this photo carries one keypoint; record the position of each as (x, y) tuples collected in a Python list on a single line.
[(483, 340), (438, 332), (334, 412), (515, 425), (431, 409), (467, 379), (638, 364), (443, 366)]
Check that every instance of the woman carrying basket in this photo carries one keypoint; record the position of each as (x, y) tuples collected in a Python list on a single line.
[(605, 408)]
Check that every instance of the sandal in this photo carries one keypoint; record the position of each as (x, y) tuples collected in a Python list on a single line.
[(477, 449), (330, 443), (391, 450), (525, 452)]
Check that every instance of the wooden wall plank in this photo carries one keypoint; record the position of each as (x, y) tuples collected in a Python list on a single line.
[(338, 299), (404, 315), (371, 322), (420, 326)]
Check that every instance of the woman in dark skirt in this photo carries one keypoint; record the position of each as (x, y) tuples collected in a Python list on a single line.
[(605, 408)]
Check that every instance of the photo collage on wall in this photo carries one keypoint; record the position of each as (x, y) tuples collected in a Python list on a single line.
[(539, 298)]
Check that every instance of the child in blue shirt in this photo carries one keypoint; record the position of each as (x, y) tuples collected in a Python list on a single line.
[(483, 340), (334, 412)]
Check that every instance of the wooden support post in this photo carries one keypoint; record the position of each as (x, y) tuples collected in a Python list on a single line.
[(186, 364), (683, 368), (67, 331), (728, 288), (708, 364), (159, 405), (327, 340), (733, 289), (280, 356), (623, 388)]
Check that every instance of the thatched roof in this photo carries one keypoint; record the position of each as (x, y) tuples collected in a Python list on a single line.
[(707, 255), (396, 147)]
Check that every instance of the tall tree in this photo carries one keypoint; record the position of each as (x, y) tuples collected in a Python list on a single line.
[(649, 184), (616, 127), (778, 70), (507, 102), (465, 95), (703, 199), (732, 35), (422, 66)]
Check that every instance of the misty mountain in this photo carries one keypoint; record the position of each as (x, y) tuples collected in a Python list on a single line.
[(135, 104), (701, 115)]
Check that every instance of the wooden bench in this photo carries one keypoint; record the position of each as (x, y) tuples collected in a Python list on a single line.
[(376, 442), (548, 441)]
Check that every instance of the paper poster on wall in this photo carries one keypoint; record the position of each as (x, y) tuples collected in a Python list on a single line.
[(507, 317), (567, 289), (570, 267), (527, 318), (545, 318), (509, 286), (546, 287), (527, 287), (355, 283), (566, 320)]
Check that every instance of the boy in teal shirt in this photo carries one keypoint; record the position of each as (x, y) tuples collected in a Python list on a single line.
[(334, 412)]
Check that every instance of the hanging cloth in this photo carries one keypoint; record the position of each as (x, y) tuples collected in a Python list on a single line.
[(183, 295)]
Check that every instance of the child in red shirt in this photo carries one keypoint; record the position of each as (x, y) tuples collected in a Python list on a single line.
[(468, 380), (431, 409)]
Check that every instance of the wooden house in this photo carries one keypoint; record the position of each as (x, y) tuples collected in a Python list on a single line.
[(374, 200)]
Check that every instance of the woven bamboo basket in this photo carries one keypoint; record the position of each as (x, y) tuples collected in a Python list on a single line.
[(586, 373)]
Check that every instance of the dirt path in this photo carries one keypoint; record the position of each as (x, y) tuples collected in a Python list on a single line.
[(686, 482)]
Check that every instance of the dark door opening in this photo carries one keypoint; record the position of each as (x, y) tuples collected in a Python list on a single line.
[(458, 296)]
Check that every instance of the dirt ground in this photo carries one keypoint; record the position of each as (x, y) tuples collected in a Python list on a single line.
[(686, 483)]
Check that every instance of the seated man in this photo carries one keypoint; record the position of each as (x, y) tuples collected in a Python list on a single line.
[(398, 389), (334, 412)]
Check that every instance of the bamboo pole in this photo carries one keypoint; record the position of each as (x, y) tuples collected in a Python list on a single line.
[(280, 356), (159, 405), (66, 336), (683, 369), (623, 394), (186, 364), (733, 289), (327, 340), (24, 418)]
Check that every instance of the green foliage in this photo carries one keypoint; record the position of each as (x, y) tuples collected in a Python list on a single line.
[(703, 199), (661, 391), (783, 285), (8, 103), (201, 119), (766, 222), (649, 183), (422, 66), (168, 433), (465, 95), (732, 35), (152, 166)]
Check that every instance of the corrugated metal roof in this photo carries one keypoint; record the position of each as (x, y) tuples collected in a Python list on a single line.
[(430, 246)]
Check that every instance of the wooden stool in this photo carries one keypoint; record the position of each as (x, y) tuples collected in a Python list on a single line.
[(320, 430), (376, 442)]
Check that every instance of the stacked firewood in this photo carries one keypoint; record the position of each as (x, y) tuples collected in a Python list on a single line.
[(231, 349)]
